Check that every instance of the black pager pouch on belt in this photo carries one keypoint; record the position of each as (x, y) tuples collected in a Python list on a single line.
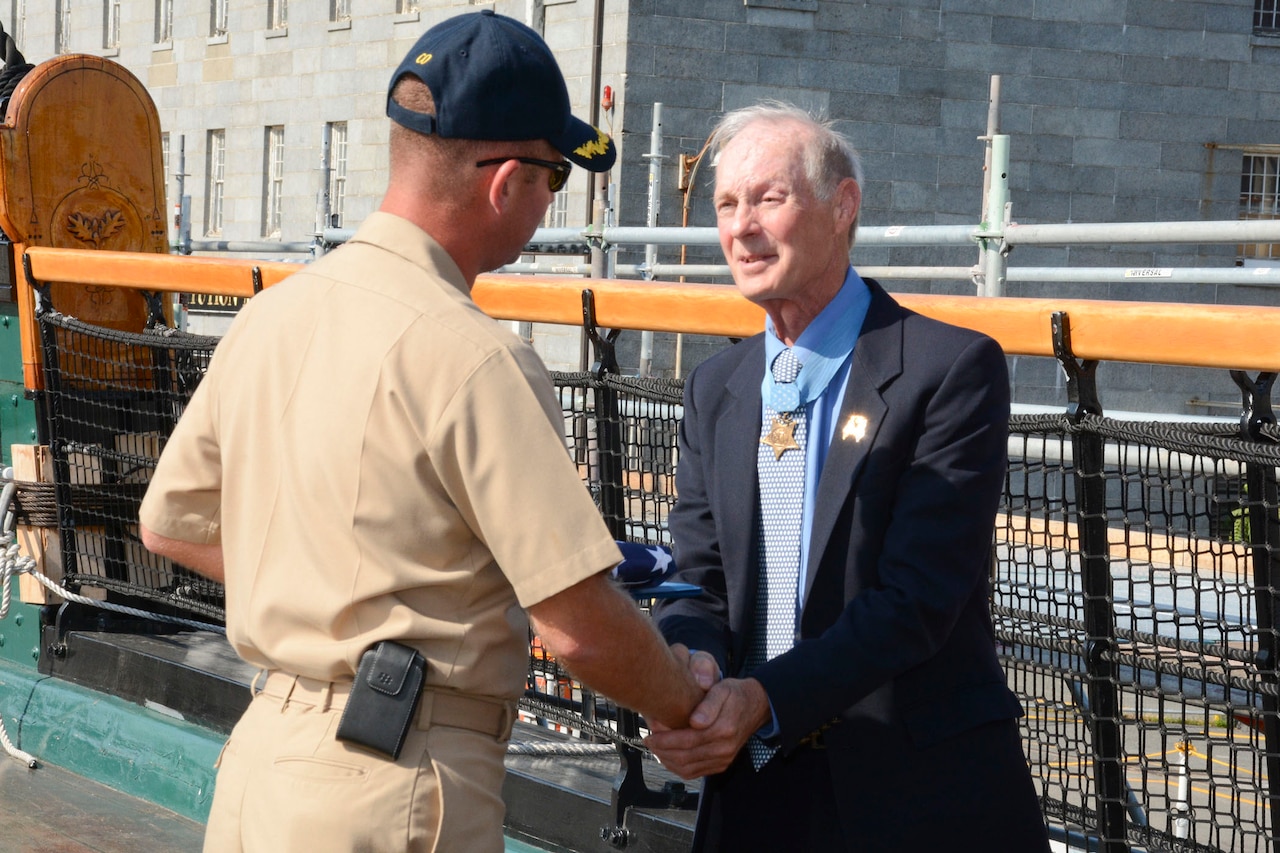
[(384, 698)]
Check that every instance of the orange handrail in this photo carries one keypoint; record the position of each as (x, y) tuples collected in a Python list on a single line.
[(144, 271), (1218, 336)]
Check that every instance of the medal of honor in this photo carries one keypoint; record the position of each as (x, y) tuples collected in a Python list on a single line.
[(782, 435)]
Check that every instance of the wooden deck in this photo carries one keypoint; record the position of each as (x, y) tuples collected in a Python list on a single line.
[(51, 810)]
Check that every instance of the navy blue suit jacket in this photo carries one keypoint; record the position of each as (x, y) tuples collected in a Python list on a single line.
[(895, 655)]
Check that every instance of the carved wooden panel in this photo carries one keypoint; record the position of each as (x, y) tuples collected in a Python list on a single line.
[(81, 167)]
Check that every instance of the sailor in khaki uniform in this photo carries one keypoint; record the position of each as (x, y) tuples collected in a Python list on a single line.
[(371, 458)]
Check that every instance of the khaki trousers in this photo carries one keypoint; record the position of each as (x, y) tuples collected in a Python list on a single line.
[(286, 784)]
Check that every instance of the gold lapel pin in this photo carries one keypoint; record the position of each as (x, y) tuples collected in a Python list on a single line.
[(855, 428)]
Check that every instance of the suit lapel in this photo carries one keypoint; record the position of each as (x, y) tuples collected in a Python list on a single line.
[(737, 433), (877, 359)]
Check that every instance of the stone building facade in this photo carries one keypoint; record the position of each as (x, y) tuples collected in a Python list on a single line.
[(1117, 111)]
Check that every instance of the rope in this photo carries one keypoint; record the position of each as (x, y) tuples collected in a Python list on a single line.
[(12, 562), (6, 498), (25, 757), (551, 748)]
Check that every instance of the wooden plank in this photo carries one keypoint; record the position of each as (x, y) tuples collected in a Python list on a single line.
[(165, 273), (1229, 561), (32, 463), (1224, 336), (1216, 336), (704, 309)]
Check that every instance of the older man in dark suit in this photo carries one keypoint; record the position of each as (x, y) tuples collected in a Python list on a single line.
[(838, 478)]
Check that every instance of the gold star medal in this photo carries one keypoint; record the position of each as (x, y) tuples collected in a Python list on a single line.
[(782, 435)]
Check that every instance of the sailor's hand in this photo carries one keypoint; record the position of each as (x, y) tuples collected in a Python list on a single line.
[(702, 665)]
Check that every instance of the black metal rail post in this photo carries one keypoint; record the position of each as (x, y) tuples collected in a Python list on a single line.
[(609, 435), (1101, 670), (629, 787), (1263, 536)]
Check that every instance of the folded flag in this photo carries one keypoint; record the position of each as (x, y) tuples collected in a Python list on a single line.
[(643, 565)]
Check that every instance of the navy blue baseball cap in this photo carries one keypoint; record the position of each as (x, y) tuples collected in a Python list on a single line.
[(493, 78)]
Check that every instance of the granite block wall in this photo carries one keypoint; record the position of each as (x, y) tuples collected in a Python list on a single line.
[(1117, 110)]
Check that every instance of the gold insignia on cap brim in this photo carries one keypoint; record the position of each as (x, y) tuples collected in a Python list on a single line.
[(593, 147)]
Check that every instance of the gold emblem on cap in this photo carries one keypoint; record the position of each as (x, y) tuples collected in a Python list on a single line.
[(782, 435), (592, 147), (855, 428), (422, 58)]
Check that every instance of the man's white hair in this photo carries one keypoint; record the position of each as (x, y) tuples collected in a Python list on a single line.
[(828, 155)]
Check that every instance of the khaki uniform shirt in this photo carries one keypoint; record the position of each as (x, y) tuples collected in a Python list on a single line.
[(379, 460)]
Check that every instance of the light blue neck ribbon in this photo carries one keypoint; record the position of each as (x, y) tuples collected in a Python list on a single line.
[(822, 347)]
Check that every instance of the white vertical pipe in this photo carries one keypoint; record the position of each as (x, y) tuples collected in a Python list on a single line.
[(996, 217), (1180, 806), (651, 219)]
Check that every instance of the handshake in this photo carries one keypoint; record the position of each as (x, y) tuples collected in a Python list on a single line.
[(730, 711)]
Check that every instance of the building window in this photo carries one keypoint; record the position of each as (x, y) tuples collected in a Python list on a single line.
[(407, 7), (18, 21), (164, 21), (111, 24), (273, 179), (218, 17), (164, 165), (62, 27), (164, 160), (558, 213), (278, 12), (1266, 17), (164, 154), (337, 168), (1260, 199), (339, 10), (216, 172)]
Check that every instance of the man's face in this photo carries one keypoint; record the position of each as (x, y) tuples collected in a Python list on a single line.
[(530, 197), (781, 242), (533, 199)]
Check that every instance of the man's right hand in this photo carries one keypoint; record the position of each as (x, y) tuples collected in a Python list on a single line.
[(730, 713)]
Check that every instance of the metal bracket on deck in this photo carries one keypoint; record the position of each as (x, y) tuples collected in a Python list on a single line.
[(257, 280), (630, 790), (1082, 382), (603, 345), (1256, 410)]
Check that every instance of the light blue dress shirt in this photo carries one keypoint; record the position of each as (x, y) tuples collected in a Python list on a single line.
[(825, 348)]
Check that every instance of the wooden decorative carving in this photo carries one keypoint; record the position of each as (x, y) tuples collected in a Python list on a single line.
[(81, 168)]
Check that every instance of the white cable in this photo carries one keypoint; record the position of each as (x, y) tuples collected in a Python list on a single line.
[(6, 498), (25, 757), (523, 748), (26, 565), (12, 562)]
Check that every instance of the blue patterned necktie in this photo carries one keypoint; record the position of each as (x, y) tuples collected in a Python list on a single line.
[(780, 462)]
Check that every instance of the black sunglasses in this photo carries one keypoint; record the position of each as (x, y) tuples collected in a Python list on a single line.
[(559, 171)]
